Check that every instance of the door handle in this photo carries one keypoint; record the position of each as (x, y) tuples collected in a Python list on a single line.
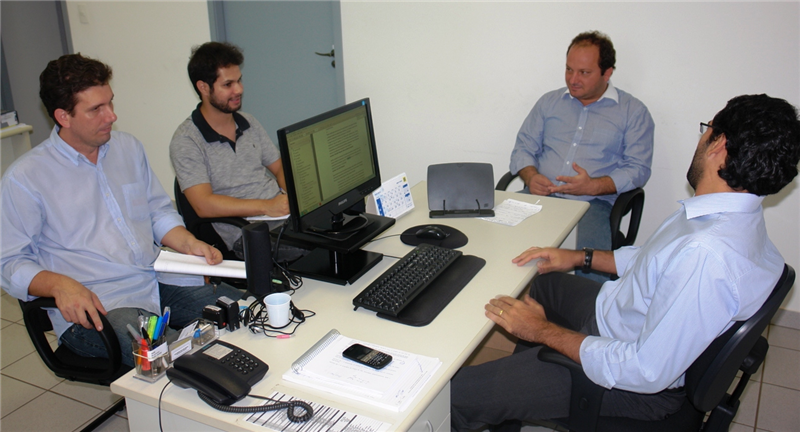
[(330, 54)]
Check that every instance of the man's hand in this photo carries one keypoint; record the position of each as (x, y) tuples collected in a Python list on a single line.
[(181, 240), (524, 319), (582, 184), (74, 300), (278, 206), (200, 248), (550, 259), (537, 183)]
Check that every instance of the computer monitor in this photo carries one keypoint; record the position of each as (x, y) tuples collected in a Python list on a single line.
[(330, 163)]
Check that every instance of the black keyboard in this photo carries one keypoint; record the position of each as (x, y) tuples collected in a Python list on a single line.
[(406, 279)]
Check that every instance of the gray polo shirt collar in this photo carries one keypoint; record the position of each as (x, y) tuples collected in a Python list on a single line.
[(210, 135)]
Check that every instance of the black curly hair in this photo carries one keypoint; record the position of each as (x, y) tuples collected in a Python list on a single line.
[(65, 77), (208, 58), (763, 143)]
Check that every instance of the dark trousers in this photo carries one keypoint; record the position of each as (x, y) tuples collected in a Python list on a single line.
[(520, 387)]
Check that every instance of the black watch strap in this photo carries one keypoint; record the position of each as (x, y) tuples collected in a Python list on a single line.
[(588, 253)]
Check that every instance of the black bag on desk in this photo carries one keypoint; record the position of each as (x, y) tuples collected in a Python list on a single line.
[(462, 189)]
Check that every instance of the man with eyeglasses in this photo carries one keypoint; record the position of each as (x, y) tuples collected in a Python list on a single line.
[(707, 266), (589, 141)]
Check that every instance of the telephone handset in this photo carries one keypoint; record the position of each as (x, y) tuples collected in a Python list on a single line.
[(221, 371)]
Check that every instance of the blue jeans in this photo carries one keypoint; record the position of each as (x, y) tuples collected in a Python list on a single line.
[(594, 231), (185, 303)]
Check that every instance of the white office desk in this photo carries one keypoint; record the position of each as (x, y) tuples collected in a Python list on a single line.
[(451, 337)]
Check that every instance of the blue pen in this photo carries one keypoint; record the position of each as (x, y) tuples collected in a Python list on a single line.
[(159, 325)]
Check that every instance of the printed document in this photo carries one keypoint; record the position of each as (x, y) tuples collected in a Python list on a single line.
[(511, 212)]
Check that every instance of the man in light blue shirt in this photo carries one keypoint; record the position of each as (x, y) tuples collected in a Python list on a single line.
[(707, 266), (83, 216), (589, 141)]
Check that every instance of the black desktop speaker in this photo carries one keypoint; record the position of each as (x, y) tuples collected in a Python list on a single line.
[(258, 258)]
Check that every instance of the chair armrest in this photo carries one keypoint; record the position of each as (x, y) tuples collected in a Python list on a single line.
[(230, 220), (37, 323), (504, 181), (753, 361), (585, 396), (632, 201)]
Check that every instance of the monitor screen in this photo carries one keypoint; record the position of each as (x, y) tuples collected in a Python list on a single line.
[(330, 164)]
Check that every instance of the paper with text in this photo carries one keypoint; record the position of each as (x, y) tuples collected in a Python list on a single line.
[(325, 419), (511, 212)]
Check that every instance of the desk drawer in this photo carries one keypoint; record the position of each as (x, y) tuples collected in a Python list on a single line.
[(437, 416)]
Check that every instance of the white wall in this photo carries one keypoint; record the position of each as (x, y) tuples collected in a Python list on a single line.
[(452, 81), (147, 44)]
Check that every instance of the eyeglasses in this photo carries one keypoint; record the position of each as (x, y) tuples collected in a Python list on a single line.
[(704, 127)]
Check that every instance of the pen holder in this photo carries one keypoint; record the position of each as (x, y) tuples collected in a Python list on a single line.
[(151, 364)]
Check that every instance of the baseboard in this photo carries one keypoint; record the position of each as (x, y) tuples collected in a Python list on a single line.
[(787, 318)]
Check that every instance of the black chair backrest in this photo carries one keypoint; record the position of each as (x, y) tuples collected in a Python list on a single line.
[(199, 227), (185, 209), (709, 377)]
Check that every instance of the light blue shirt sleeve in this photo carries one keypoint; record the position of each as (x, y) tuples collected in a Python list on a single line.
[(633, 168), (21, 223), (623, 256), (528, 147)]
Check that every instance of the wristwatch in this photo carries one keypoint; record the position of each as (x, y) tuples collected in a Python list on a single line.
[(587, 259)]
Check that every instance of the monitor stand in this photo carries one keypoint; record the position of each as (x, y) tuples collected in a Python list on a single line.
[(333, 261), (335, 267)]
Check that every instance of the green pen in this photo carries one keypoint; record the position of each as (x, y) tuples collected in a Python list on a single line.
[(151, 326)]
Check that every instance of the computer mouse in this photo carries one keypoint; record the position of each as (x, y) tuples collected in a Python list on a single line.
[(431, 232)]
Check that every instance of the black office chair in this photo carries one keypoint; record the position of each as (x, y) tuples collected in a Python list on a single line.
[(66, 364), (707, 380), (202, 228), (631, 201)]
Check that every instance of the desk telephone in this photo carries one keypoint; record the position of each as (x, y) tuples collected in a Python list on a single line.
[(221, 371), (223, 374)]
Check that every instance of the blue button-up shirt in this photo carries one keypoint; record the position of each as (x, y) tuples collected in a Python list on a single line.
[(708, 265), (612, 136), (97, 224)]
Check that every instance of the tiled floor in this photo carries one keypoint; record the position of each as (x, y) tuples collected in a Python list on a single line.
[(33, 399)]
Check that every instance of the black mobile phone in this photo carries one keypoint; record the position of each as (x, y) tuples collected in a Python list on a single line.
[(367, 356)]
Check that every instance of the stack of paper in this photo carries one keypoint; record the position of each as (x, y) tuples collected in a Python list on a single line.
[(392, 388), (173, 262)]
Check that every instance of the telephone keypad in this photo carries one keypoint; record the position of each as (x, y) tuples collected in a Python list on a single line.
[(240, 361)]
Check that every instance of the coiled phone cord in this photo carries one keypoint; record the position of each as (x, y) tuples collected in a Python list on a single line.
[(290, 407)]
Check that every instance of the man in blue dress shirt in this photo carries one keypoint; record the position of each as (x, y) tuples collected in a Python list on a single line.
[(707, 266), (83, 216), (589, 141)]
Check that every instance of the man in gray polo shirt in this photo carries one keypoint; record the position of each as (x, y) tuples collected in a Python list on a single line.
[(225, 162)]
